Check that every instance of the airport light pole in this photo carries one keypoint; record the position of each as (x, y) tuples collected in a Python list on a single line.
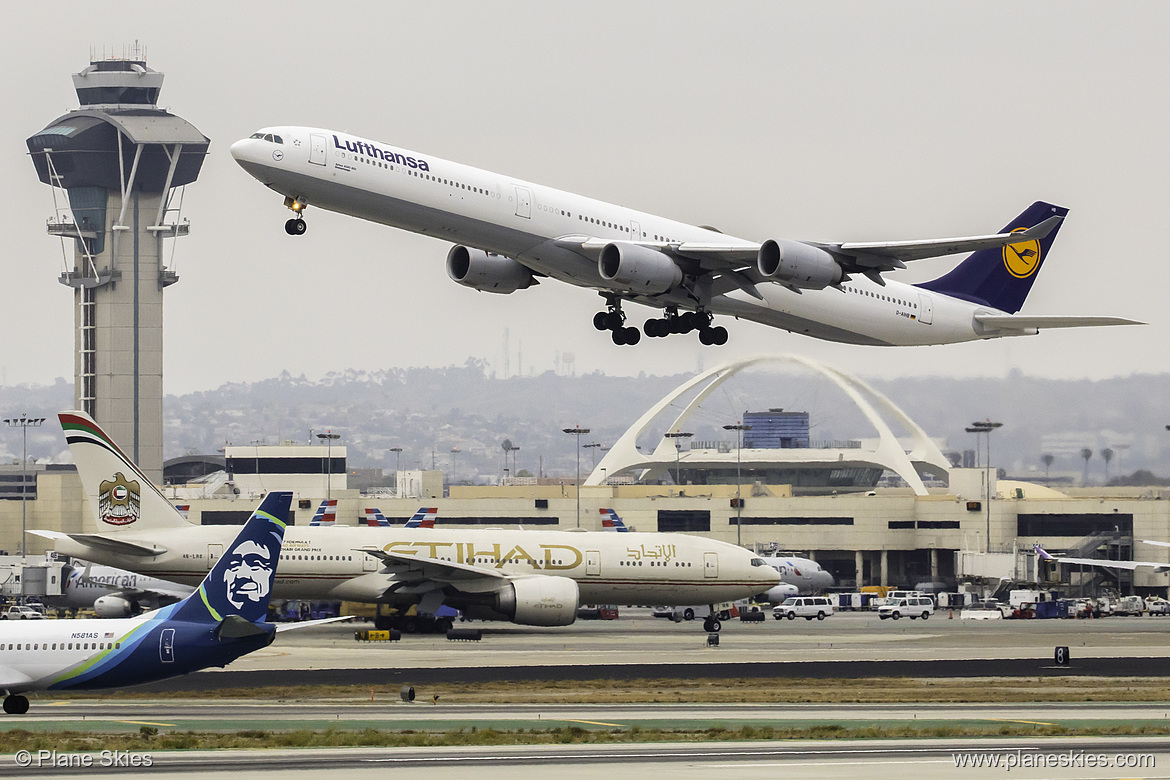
[(986, 427), (678, 436), (512, 449), (454, 452), (24, 422), (328, 437), (593, 451), (397, 469), (578, 431), (739, 428)]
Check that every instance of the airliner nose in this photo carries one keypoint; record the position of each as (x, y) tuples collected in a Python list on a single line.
[(239, 148)]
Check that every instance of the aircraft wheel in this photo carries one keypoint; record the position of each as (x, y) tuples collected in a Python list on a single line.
[(599, 320), (619, 336), (613, 320), (443, 625), (688, 614), (290, 227), (719, 335), (633, 336), (705, 337), (410, 626), (15, 705), (716, 626), (707, 625), (299, 227)]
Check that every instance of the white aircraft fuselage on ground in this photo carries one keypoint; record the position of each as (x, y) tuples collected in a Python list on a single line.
[(529, 577), (509, 232)]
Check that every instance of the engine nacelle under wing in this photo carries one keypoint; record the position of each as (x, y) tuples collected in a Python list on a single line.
[(479, 270), (798, 265), (539, 601), (115, 607), (637, 269)]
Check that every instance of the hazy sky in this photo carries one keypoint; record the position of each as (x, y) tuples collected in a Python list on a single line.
[(835, 121)]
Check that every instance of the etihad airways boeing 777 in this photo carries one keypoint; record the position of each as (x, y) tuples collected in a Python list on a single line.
[(508, 233), (535, 578)]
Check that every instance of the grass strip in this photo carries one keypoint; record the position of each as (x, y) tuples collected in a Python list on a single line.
[(152, 739)]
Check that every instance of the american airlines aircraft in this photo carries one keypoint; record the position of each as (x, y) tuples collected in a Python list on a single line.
[(804, 573), (533, 578), (113, 592), (509, 233)]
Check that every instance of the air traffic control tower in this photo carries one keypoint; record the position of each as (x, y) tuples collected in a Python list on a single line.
[(121, 163)]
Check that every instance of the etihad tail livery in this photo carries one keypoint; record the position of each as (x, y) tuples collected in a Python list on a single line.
[(221, 621), (326, 513), (531, 577), (423, 518), (509, 233), (611, 522)]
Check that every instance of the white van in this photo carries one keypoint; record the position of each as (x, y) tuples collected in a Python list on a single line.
[(807, 607), (920, 606)]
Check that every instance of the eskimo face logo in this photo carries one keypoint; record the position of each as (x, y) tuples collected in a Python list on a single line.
[(1022, 259), (248, 578), (119, 502)]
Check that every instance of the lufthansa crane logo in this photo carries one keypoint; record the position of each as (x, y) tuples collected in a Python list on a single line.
[(1022, 259)]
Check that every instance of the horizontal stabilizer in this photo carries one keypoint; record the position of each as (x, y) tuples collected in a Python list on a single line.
[(117, 545), (310, 623), (1023, 322)]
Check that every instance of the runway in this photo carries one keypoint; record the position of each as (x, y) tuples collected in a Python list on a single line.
[(847, 646)]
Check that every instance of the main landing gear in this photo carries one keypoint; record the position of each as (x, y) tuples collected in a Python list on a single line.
[(712, 625), (613, 319), (15, 705), (296, 226), (674, 322)]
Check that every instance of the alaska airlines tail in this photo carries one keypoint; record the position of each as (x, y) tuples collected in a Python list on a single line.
[(326, 513), (240, 583), (423, 518), (119, 494), (611, 522), (1002, 277)]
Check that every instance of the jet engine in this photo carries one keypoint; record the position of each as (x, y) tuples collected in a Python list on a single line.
[(539, 601), (798, 265), (115, 607), (479, 270), (637, 269), (782, 591)]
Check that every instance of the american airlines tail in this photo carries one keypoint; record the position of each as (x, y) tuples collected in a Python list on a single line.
[(119, 494), (326, 513), (610, 521), (1002, 277), (423, 518)]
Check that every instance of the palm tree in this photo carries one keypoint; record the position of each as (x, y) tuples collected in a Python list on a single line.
[(1086, 453), (1107, 455), (1047, 459)]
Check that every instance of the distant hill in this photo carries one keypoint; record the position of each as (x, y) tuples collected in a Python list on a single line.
[(425, 410)]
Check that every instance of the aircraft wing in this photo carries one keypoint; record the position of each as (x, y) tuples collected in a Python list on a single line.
[(1159, 544), (431, 569), (1158, 567), (1023, 322), (887, 255), (855, 256)]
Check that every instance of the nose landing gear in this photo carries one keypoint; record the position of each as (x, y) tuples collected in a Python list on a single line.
[(296, 226)]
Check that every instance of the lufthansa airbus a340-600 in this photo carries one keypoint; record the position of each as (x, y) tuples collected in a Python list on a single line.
[(509, 233)]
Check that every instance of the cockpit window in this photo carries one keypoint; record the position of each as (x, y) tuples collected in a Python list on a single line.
[(277, 139), (758, 562), (257, 135)]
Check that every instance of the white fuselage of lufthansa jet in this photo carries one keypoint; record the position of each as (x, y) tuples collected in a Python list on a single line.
[(538, 227)]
